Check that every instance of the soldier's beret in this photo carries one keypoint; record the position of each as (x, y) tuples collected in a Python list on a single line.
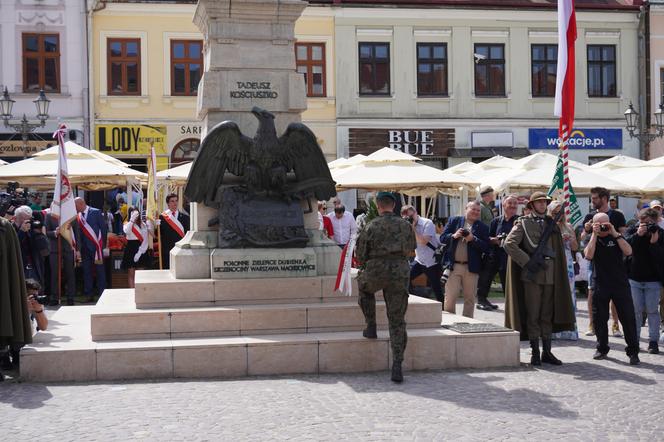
[(383, 194)]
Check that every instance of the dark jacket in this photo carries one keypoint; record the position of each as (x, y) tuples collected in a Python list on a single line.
[(38, 248), (645, 264), (15, 327), (476, 247), (98, 224)]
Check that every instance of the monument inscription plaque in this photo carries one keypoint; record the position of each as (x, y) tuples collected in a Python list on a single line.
[(263, 263)]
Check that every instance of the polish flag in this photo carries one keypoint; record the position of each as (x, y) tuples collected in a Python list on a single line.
[(564, 107)]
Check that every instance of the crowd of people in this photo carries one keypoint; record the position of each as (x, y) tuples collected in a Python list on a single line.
[(47, 254), (623, 261)]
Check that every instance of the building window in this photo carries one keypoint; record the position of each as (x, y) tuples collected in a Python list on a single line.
[(431, 69), (310, 59), (186, 66), (489, 70), (374, 68), (544, 66), (602, 71), (41, 62), (185, 151), (124, 66)]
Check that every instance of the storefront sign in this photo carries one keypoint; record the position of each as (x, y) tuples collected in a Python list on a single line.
[(419, 142), (591, 139), (190, 130), (14, 148), (131, 140), (253, 89)]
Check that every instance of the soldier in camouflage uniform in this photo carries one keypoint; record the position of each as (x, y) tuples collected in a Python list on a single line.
[(383, 248)]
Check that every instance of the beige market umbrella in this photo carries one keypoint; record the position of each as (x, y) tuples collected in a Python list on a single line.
[(177, 175), (88, 169)]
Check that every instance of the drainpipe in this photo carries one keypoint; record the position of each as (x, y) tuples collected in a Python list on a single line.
[(92, 6)]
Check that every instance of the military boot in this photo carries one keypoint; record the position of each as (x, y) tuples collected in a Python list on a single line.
[(535, 357), (370, 332), (547, 356), (397, 375)]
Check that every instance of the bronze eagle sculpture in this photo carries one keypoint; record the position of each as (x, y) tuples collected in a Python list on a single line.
[(264, 162)]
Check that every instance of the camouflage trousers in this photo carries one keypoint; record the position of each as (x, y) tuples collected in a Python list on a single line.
[(395, 293)]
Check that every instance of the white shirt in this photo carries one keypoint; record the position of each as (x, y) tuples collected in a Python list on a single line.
[(344, 228), (423, 253)]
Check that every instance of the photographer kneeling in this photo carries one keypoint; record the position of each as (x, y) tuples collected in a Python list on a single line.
[(645, 278), (605, 250)]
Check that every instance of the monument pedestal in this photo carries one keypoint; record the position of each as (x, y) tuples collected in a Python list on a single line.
[(201, 328)]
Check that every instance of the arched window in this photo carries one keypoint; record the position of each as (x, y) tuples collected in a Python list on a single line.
[(185, 151)]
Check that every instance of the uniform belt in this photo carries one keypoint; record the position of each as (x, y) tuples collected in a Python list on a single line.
[(461, 262), (389, 257)]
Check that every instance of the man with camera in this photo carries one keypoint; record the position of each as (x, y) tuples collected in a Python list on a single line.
[(466, 239), (599, 197), (33, 242), (606, 250), (645, 273), (427, 244), (496, 260)]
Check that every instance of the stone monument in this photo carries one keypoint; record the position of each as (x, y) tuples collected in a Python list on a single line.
[(249, 65)]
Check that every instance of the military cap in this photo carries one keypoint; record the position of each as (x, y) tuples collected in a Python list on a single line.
[(485, 189), (537, 196), (383, 194)]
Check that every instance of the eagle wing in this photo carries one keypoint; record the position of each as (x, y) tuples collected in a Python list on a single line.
[(223, 148), (303, 154)]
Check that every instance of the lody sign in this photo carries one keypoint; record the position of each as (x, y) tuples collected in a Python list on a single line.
[(591, 139)]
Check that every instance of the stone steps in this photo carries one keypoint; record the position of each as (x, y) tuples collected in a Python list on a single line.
[(66, 352), (158, 288), (117, 318)]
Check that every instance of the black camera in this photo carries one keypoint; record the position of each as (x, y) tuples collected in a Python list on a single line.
[(603, 228), (652, 228), (410, 220), (12, 198), (465, 232)]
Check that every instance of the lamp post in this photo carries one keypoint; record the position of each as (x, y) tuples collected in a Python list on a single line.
[(643, 133), (24, 126)]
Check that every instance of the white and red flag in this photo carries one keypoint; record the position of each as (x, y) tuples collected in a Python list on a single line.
[(63, 196), (565, 80)]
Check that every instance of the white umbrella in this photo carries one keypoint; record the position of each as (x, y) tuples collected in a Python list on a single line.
[(390, 155), (403, 176), (178, 174), (2, 163), (88, 169), (619, 162), (75, 151)]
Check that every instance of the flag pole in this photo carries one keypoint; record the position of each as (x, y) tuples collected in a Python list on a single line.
[(161, 259), (59, 268)]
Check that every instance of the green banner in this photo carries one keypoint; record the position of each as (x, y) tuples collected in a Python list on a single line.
[(556, 192)]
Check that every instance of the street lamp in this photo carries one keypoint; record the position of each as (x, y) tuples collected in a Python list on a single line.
[(24, 127), (633, 120)]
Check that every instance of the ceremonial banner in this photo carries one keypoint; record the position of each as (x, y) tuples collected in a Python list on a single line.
[(564, 104), (344, 282), (556, 191), (63, 196), (151, 211)]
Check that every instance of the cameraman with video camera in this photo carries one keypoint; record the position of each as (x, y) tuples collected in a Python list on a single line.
[(33, 242), (645, 274)]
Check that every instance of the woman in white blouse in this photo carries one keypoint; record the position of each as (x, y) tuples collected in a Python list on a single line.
[(136, 255)]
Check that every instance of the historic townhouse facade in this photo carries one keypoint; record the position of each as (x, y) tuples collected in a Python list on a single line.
[(453, 81), (655, 60), (43, 46)]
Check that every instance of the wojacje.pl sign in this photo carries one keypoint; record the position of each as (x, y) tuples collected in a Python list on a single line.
[(592, 139)]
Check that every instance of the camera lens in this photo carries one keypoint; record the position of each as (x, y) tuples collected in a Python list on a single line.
[(604, 228)]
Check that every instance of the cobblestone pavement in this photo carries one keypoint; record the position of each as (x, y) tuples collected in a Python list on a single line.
[(582, 400)]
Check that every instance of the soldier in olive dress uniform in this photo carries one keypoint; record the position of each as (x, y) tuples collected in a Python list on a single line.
[(383, 249), (541, 304)]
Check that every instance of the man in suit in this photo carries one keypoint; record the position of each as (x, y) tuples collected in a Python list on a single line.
[(173, 225), (91, 239), (467, 238), (61, 255)]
